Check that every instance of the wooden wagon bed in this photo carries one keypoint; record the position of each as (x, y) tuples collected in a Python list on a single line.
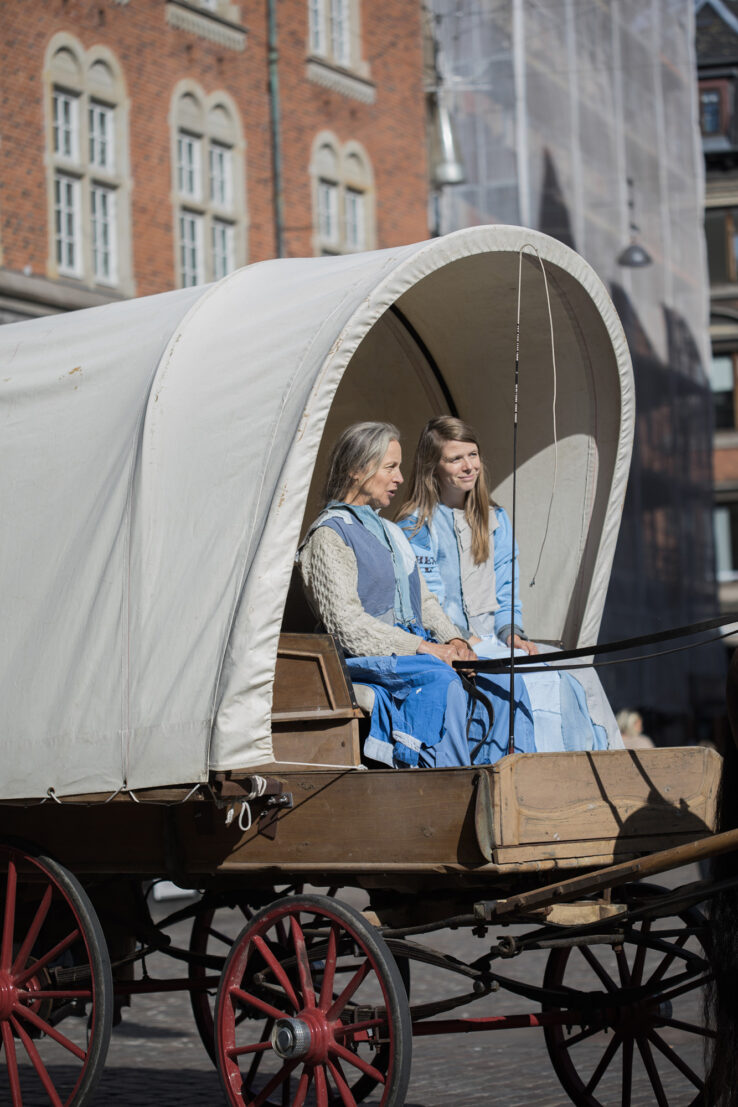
[(338, 821)]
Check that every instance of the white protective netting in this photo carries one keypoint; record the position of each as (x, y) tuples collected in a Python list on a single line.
[(556, 104)]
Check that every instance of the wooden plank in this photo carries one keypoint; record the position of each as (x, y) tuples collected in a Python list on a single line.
[(543, 800), (309, 677), (326, 742)]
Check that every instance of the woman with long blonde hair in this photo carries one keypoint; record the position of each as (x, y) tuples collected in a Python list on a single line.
[(463, 545)]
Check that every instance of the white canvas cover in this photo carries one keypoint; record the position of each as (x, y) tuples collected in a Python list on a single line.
[(158, 455)]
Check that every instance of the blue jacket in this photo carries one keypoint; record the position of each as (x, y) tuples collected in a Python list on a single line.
[(480, 602)]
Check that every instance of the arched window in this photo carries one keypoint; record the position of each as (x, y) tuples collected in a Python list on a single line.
[(209, 187), (343, 197), (87, 158)]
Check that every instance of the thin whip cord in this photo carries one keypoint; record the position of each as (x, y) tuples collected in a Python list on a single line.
[(511, 730), (553, 418), (528, 246)]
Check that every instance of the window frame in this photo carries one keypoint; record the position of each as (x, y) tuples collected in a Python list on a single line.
[(212, 125), (90, 82), (64, 211), (99, 221)]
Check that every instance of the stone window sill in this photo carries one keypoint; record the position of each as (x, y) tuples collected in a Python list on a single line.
[(340, 80), (184, 16)]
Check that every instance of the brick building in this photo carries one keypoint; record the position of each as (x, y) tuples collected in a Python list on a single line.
[(150, 145)]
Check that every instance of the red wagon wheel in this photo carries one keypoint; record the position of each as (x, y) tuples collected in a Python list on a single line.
[(207, 938), (312, 1009), (655, 1043), (54, 965)]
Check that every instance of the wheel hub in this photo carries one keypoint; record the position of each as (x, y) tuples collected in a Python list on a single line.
[(291, 1038)]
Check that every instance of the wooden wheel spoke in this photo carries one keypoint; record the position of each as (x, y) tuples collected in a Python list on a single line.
[(259, 1004), (340, 1081), (639, 960), (675, 1059), (351, 1029), (276, 1080), (303, 962), (329, 973), (688, 986), (623, 969), (604, 1063), (12, 1064), (627, 1058), (358, 1062), (338, 1005), (47, 958), (35, 1058), (6, 947), (50, 1031), (33, 931), (219, 936), (668, 959), (653, 1076), (690, 1027), (321, 1087), (582, 1036), (303, 1086), (263, 1041), (598, 968), (255, 1047), (277, 969)]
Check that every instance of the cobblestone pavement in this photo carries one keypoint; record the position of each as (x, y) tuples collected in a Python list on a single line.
[(156, 1058)]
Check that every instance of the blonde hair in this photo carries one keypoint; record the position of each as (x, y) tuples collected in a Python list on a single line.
[(424, 495), (360, 449)]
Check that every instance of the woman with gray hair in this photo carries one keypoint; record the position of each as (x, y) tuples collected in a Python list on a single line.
[(361, 578)]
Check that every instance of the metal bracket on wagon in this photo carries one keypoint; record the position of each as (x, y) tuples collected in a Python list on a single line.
[(238, 795)]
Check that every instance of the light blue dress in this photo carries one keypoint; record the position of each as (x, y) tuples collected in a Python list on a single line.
[(559, 702)]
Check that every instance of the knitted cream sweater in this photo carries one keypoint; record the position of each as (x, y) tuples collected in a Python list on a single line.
[(330, 574)]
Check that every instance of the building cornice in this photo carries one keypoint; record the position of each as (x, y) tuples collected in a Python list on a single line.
[(35, 295)]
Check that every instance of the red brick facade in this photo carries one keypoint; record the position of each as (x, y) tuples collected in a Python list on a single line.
[(153, 56)]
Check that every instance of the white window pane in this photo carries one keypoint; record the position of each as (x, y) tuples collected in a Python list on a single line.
[(316, 12), (104, 238), (328, 212), (66, 125), (188, 165), (221, 175), (721, 373), (67, 228), (724, 519), (191, 249), (340, 47), (354, 219), (222, 244), (102, 144)]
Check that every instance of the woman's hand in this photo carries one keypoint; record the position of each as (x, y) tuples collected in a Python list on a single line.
[(445, 653), (463, 649), (523, 644)]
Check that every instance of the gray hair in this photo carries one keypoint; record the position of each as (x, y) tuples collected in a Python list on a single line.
[(360, 449)]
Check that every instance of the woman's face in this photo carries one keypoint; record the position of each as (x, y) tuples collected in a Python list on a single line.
[(378, 490), (457, 472)]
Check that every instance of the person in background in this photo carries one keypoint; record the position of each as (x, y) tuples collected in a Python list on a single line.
[(630, 725)]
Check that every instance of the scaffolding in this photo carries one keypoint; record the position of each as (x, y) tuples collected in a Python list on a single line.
[(579, 118)]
